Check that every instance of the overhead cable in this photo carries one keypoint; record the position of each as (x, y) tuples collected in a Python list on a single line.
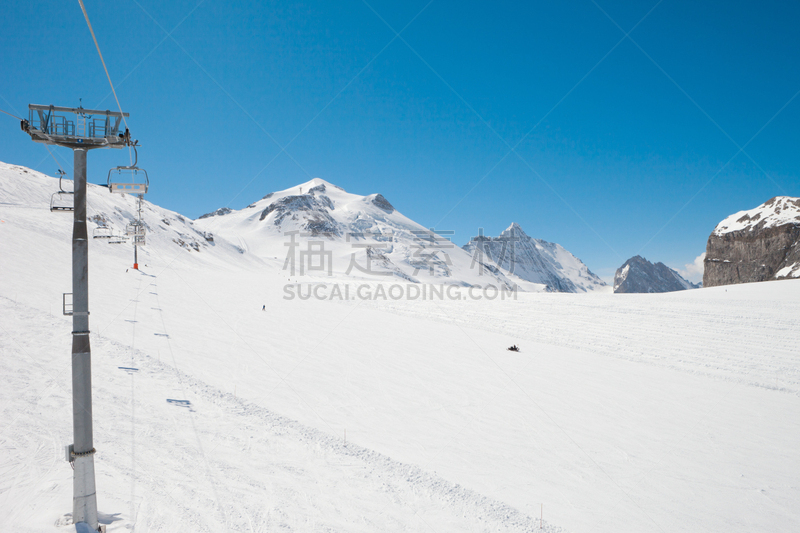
[(91, 30)]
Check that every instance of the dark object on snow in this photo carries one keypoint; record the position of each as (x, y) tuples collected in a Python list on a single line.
[(263, 307), (513, 348)]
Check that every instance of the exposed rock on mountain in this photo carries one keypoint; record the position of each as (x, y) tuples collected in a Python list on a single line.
[(757, 245), (638, 274), (533, 260), (218, 213), (313, 209), (379, 201)]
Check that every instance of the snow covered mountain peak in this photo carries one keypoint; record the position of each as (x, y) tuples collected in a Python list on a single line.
[(318, 182), (365, 235), (777, 211), (534, 260), (316, 208), (317, 196), (312, 187), (638, 274), (514, 230)]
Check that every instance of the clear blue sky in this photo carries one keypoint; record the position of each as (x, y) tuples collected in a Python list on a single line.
[(621, 145)]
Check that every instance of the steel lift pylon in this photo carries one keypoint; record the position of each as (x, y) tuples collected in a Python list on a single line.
[(95, 129)]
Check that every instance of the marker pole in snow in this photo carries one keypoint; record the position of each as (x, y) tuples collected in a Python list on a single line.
[(50, 125)]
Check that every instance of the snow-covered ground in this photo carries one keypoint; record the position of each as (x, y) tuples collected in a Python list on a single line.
[(621, 413)]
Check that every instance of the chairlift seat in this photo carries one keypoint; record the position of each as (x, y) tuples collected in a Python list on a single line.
[(102, 232), (62, 201), (129, 188), (128, 180)]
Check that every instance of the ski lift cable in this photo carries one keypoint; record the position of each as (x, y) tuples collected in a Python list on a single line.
[(94, 38), (10, 115), (56, 160), (48, 149)]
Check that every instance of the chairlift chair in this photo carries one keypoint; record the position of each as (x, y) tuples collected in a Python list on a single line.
[(129, 180), (102, 232), (118, 239), (135, 229), (62, 200)]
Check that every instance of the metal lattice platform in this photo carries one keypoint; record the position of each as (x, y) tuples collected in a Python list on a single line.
[(89, 128)]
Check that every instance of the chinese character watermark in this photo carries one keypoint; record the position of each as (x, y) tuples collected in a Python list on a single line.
[(372, 251), (424, 251), (313, 258)]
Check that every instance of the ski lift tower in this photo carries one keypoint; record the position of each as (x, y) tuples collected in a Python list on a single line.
[(80, 130)]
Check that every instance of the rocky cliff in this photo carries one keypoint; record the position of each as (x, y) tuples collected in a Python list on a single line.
[(757, 245), (638, 274)]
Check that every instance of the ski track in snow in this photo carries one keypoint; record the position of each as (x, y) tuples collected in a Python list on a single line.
[(357, 489)]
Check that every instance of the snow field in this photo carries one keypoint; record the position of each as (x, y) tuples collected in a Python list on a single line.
[(744, 334), (638, 413), (204, 459)]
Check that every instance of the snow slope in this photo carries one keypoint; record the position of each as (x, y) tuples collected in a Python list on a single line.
[(640, 412)]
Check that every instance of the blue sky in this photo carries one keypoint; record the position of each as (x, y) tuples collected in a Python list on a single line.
[(478, 114)]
